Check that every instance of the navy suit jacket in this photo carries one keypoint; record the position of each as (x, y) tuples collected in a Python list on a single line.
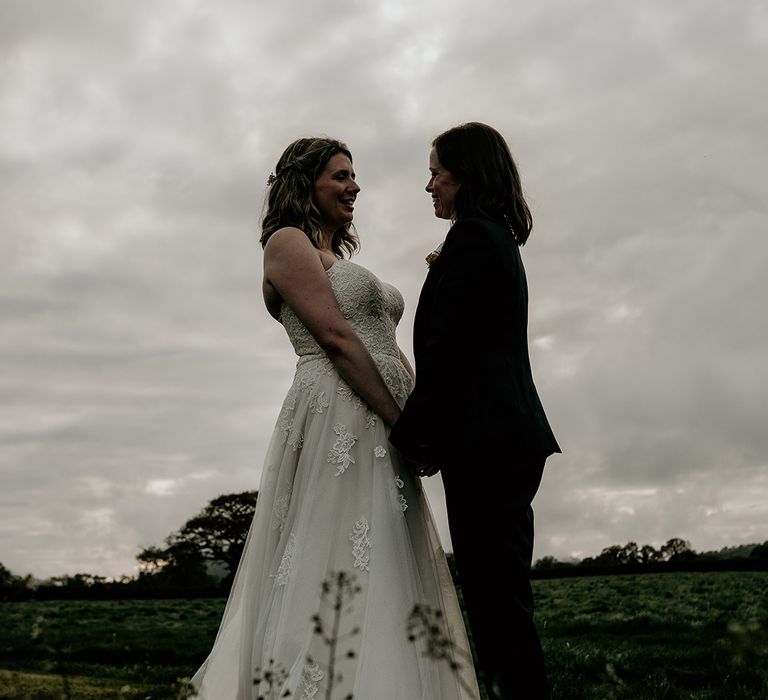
[(474, 395)]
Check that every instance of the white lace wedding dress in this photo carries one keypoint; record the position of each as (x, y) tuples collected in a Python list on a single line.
[(335, 497)]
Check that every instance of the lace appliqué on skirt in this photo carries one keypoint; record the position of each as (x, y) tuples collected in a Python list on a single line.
[(280, 510), (401, 501), (361, 545), (281, 578), (339, 453), (311, 677)]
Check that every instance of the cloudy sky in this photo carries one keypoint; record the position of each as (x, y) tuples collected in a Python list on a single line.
[(140, 375)]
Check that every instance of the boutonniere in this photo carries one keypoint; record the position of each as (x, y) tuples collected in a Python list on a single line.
[(434, 254)]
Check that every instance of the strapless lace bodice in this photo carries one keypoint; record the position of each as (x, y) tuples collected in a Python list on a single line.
[(373, 308)]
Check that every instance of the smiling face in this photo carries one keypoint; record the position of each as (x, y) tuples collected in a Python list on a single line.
[(335, 193), (442, 186)]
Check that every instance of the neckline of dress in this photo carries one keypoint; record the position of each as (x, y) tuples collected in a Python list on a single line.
[(342, 260)]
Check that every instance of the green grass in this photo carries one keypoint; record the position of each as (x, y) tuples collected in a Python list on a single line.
[(697, 636), (144, 644), (656, 636)]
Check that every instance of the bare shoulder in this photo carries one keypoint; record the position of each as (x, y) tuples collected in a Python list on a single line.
[(288, 242), (293, 267)]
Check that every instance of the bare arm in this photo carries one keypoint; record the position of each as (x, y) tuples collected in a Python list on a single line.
[(293, 267)]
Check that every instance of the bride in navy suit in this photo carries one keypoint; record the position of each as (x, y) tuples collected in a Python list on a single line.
[(474, 413)]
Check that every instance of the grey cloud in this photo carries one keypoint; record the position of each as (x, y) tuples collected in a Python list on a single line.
[(140, 374)]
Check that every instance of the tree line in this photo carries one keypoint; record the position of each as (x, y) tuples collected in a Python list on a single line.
[(200, 559), (675, 555)]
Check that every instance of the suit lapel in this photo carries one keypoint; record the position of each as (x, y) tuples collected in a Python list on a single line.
[(424, 307)]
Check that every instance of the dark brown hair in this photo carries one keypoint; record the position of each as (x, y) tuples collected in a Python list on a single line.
[(290, 201), (479, 158)]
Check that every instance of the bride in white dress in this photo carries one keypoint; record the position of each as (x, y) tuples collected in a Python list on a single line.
[(334, 497)]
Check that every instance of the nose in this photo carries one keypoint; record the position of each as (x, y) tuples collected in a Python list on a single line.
[(354, 187), (428, 188)]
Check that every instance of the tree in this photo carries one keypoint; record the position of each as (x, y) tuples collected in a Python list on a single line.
[(152, 560), (759, 551), (80, 580), (9, 582), (618, 555), (630, 553), (677, 549), (77, 580), (548, 562), (648, 554), (217, 533), (7, 579)]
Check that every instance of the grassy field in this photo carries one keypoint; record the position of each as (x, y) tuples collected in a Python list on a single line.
[(657, 636), (700, 636)]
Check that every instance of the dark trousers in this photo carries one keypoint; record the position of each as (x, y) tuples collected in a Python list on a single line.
[(491, 523)]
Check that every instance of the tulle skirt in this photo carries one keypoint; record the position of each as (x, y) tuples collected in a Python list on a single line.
[(341, 548)]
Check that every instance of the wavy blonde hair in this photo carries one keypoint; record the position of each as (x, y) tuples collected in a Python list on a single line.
[(291, 202)]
